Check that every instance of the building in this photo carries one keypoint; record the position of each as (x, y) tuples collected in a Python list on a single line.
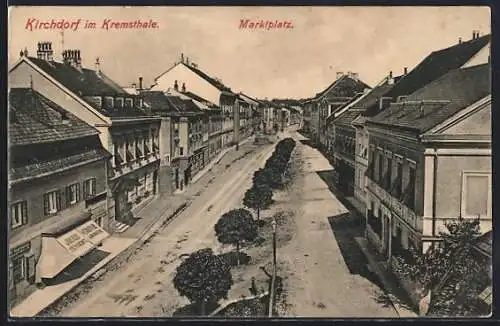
[(343, 90), (212, 89), (341, 142), (435, 65), (430, 161), (296, 115), (57, 190), (184, 136), (126, 129), (249, 118)]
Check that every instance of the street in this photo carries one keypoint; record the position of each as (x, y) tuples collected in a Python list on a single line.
[(143, 287), (324, 273)]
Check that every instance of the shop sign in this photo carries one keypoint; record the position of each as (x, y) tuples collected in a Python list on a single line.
[(19, 250)]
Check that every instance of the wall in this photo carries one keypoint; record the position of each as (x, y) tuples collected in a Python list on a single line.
[(33, 191), (194, 83), (165, 141)]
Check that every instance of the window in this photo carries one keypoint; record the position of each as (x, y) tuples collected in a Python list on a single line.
[(129, 150), (98, 101), (51, 202), (397, 183), (129, 103), (18, 214), (388, 174), (89, 188), (181, 151), (109, 102), (118, 158), (119, 102), (19, 269), (139, 147), (73, 194), (409, 198), (146, 144), (476, 194)]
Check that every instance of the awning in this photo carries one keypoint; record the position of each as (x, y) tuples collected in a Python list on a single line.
[(59, 252)]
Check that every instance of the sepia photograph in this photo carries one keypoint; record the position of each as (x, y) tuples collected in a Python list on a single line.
[(249, 162)]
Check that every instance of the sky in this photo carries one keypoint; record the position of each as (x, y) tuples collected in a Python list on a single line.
[(295, 63)]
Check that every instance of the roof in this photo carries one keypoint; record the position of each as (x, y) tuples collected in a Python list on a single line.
[(87, 82), (345, 86), (434, 66), (438, 100), (201, 99), (213, 81), (485, 243), (166, 104), (36, 119)]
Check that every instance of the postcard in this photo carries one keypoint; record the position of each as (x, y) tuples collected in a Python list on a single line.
[(252, 162)]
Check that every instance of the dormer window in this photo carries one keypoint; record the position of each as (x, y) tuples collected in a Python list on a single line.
[(119, 102), (98, 101), (109, 102), (129, 103)]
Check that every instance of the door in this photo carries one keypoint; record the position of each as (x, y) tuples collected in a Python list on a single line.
[(176, 178), (155, 181)]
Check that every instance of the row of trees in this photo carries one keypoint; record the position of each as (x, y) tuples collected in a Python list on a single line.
[(205, 278)]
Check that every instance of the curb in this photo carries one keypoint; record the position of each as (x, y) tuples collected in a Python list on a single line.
[(149, 232)]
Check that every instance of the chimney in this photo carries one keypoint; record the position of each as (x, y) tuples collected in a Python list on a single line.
[(187, 60), (176, 86), (44, 51), (97, 65), (134, 85), (182, 57), (390, 79), (405, 70), (339, 74), (183, 87), (140, 83), (474, 35), (459, 40)]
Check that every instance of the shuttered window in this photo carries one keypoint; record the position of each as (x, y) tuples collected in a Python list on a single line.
[(89, 186), (72, 194), (51, 202), (19, 214)]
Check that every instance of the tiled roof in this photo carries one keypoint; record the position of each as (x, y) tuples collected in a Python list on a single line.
[(214, 82), (438, 100), (87, 82), (345, 86), (347, 117), (434, 66), (36, 119), (183, 105), (201, 99), (170, 105), (53, 166)]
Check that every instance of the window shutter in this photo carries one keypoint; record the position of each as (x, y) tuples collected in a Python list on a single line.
[(77, 192), (24, 211), (58, 200), (46, 204), (85, 190), (30, 269)]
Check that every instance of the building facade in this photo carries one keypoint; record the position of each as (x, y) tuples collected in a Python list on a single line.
[(126, 129), (430, 162), (57, 190)]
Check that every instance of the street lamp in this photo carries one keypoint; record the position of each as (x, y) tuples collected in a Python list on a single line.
[(273, 223)]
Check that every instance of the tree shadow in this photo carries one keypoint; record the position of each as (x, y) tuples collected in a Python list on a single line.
[(383, 298), (193, 310), (231, 258)]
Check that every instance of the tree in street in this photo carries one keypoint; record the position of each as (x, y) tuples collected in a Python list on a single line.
[(452, 272), (259, 197), (203, 278), (236, 227)]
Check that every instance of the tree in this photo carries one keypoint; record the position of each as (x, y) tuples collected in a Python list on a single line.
[(260, 196), (236, 227), (202, 278), (452, 271)]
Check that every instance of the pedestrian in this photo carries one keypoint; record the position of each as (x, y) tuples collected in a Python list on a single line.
[(253, 287)]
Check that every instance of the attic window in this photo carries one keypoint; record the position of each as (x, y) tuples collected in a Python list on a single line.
[(119, 102), (402, 98), (109, 102), (98, 101), (129, 103)]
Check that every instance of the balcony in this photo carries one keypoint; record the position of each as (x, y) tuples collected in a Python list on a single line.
[(395, 205)]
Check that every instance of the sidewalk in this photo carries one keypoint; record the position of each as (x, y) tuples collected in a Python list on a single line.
[(42, 298), (150, 218), (393, 290)]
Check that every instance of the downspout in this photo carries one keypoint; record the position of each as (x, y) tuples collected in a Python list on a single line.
[(434, 196)]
